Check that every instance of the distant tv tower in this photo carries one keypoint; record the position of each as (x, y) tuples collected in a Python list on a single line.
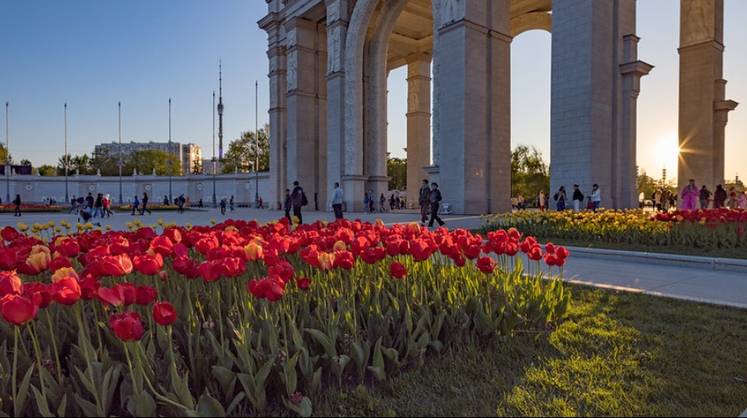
[(220, 111)]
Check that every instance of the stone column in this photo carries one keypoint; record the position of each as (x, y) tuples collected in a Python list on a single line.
[(473, 89), (304, 130), (632, 71), (278, 109), (337, 24), (375, 109), (702, 101), (418, 126), (588, 100)]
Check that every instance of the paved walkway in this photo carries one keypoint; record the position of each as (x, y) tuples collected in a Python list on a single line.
[(702, 285)]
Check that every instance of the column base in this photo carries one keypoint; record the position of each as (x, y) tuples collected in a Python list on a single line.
[(379, 185), (354, 188)]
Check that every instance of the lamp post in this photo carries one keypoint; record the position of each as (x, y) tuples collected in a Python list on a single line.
[(119, 163), (215, 199), (8, 169), (66, 161), (256, 144), (171, 162)]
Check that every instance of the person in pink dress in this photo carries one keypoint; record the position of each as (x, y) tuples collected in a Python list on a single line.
[(689, 196)]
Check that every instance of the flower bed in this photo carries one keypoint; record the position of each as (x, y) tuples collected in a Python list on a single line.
[(237, 318), (30, 208), (711, 228)]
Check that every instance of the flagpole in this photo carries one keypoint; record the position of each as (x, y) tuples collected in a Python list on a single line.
[(8, 168), (119, 130), (171, 161), (67, 196), (215, 168), (256, 144)]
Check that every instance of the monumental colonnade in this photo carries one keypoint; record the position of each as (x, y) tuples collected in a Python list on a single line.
[(329, 61)]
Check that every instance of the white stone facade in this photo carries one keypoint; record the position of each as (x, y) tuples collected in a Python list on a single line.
[(329, 60)]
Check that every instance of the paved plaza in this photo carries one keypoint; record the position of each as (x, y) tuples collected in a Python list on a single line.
[(696, 284)]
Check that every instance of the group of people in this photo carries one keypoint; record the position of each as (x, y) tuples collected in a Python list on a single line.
[(140, 205), (395, 202), (92, 207), (429, 199), (692, 197), (594, 200)]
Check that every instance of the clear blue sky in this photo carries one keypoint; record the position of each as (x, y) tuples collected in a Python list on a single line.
[(93, 53)]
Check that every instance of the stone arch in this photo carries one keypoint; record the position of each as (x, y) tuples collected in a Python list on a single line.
[(353, 140), (530, 21), (376, 96)]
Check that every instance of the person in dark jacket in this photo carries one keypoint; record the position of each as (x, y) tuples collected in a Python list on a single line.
[(578, 198), (135, 205), (89, 201), (719, 198), (287, 205), (298, 200), (145, 205), (435, 202), (705, 196), (17, 203), (559, 198), (424, 200), (98, 206)]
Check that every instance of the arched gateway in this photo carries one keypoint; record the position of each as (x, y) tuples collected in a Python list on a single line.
[(329, 61)]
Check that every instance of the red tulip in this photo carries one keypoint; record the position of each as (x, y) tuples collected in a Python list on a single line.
[(162, 245), (114, 265), (10, 283), (9, 233), (110, 296), (164, 313), (127, 326), (18, 310), (486, 264), (344, 259), (148, 264), (145, 295), (535, 253), (66, 291), (397, 270), (303, 283), (208, 272), (31, 290), (67, 246)]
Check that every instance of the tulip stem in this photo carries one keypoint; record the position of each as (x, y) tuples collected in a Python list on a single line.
[(37, 351), (15, 372), (54, 347)]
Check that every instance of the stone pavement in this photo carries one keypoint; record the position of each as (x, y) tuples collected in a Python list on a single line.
[(639, 276)]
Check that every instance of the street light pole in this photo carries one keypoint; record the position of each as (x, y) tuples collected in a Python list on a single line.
[(8, 168), (171, 162), (119, 130), (215, 200), (256, 144), (67, 196)]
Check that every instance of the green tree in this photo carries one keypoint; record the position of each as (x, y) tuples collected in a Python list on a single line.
[(25, 162), (145, 161), (78, 163), (47, 170), (4, 154), (529, 173), (242, 152), (396, 169), (647, 185)]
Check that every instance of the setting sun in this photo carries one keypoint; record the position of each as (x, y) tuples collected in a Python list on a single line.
[(667, 150)]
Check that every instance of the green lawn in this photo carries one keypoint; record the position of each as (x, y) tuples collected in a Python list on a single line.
[(740, 253), (616, 354)]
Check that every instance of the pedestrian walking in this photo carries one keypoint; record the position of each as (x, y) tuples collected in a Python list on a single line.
[(719, 197), (98, 206), (689, 196), (382, 203), (578, 198), (337, 200), (287, 205), (435, 199), (223, 204), (705, 197), (145, 205), (135, 205), (560, 198), (298, 200), (596, 197), (424, 200), (17, 203), (180, 201), (541, 201), (230, 203), (107, 204)]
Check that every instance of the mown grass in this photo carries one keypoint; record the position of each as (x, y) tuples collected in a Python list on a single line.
[(740, 253), (616, 354)]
